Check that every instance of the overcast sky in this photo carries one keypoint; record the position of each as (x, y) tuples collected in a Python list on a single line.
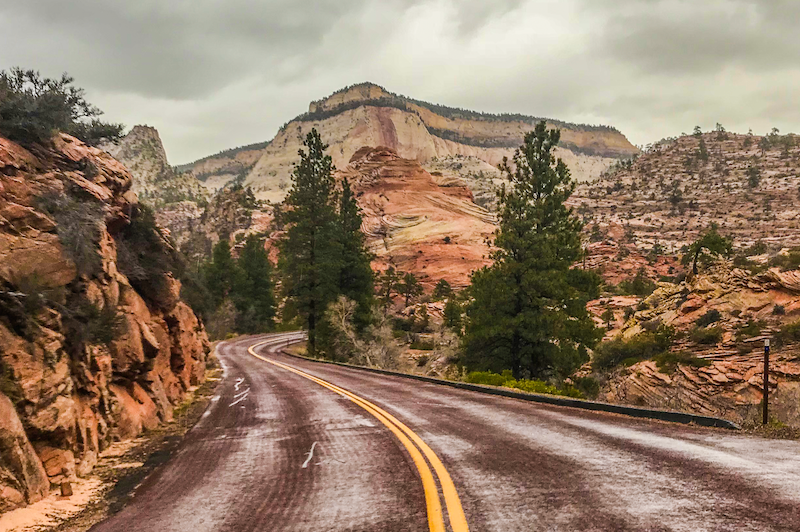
[(214, 74)]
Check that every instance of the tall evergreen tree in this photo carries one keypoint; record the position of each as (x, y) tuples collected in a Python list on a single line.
[(355, 277), (253, 293), (310, 259), (219, 272), (528, 310)]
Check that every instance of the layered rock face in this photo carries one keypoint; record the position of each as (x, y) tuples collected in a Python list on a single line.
[(88, 355), (417, 223), (368, 115), (731, 384)]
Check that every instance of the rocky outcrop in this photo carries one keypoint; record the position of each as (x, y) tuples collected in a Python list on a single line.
[(728, 381), (746, 184), (368, 115), (95, 344), (415, 224)]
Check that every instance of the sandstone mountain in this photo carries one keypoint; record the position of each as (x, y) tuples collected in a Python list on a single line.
[(368, 115), (95, 344), (417, 222), (154, 180)]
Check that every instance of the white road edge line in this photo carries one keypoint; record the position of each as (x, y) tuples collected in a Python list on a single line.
[(310, 455)]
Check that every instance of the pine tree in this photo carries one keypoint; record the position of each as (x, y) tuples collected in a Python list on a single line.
[(442, 290), (528, 310), (410, 287), (310, 259), (218, 273), (355, 278), (389, 282), (253, 293)]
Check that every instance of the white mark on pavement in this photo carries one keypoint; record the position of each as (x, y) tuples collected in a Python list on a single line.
[(239, 382), (241, 393), (310, 455), (242, 398)]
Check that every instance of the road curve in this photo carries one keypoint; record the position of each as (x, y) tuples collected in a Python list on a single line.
[(290, 444)]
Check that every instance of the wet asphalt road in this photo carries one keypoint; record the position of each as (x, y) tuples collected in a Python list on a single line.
[(249, 466)]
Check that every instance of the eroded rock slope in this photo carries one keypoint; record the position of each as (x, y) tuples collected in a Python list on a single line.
[(88, 354)]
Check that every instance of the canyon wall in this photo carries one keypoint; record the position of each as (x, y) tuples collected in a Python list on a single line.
[(95, 343)]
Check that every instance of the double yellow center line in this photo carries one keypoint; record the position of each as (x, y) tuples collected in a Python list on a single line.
[(413, 444)]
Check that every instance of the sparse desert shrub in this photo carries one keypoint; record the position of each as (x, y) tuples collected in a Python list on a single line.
[(712, 316), (79, 225), (90, 324), (668, 361), (779, 310), (423, 361), (147, 259), (706, 335), (790, 333), (642, 346), (753, 328), (423, 345)]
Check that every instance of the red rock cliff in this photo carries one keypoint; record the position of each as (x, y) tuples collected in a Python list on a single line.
[(64, 397)]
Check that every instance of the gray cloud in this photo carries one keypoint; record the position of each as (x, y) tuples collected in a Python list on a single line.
[(212, 74)]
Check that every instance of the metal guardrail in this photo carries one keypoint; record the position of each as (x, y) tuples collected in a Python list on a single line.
[(633, 411)]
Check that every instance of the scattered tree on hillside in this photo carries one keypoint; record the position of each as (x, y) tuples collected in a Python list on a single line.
[(753, 176), (702, 151), (704, 248), (33, 109), (310, 259), (528, 312), (453, 314), (410, 287), (608, 318), (388, 284), (442, 290)]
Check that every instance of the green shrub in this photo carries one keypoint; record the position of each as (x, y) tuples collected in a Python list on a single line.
[(779, 310), (488, 377), (423, 345), (589, 386), (668, 362), (790, 333), (422, 361), (642, 346), (403, 324), (33, 109), (712, 316), (640, 285), (753, 328), (791, 261), (532, 386), (706, 336)]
